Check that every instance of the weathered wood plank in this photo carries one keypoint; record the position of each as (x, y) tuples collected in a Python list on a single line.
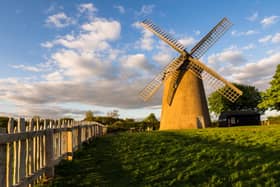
[(3, 164), (22, 151), (10, 154), (49, 153)]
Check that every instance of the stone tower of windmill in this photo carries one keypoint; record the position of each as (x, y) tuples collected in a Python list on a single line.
[(184, 103)]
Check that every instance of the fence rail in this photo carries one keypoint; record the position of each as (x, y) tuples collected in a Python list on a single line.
[(30, 149)]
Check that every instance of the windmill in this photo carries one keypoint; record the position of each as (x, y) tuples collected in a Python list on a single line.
[(184, 103)]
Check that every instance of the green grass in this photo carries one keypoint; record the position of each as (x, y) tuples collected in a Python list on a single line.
[(240, 156)]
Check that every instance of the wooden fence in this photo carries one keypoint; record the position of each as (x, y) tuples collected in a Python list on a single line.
[(29, 150)]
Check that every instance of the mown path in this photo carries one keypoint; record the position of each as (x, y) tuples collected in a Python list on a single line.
[(244, 156)]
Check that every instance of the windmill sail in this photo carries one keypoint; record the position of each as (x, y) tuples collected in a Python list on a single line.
[(217, 82), (198, 50), (154, 85), (200, 70), (164, 36), (212, 37)]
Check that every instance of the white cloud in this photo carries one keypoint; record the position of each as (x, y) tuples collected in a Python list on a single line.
[(248, 47), (250, 32), (54, 7), (164, 55), (146, 41), (94, 35), (253, 17), (271, 38), (265, 39), (276, 38), (197, 32), (50, 111), (271, 51), (27, 68), (269, 20), (232, 56), (85, 67), (145, 10), (258, 73), (187, 41), (82, 66), (136, 62), (137, 25), (107, 93), (54, 76), (87, 7), (47, 44), (59, 20), (162, 58), (246, 33), (120, 8)]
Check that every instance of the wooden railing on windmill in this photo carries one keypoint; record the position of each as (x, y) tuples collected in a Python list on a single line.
[(29, 150), (184, 104)]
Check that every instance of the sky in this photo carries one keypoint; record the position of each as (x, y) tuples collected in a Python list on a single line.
[(60, 58)]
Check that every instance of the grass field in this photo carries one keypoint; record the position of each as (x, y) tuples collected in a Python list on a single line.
[(240, 156)]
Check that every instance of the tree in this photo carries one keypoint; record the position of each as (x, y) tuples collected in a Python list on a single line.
[(151, 118), (271, 97), (152, 121), (89, 116), (248, 101), (113, 114)]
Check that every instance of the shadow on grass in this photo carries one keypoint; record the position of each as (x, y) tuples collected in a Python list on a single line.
[(171, 159), (93, 165)]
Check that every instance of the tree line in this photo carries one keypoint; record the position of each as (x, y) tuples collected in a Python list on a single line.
[(116, 124)]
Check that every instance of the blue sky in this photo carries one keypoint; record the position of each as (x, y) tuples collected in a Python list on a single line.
[(62, 58)]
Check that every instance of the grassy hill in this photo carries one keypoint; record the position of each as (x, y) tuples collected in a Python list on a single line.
[(237, 156)]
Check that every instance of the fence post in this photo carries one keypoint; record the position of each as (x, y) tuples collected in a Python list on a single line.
[(38, 158), (32, 147), (22, 150), (70, 140), (10, 155), (69, 144), (49, 153), (16, 158), (3, 164), (86, 132), (104, 130), (79, 135), (44, 143)]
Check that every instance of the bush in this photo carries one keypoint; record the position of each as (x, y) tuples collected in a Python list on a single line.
[(121, 126)]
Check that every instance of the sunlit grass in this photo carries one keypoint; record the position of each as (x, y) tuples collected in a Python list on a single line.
[(240, 156)]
